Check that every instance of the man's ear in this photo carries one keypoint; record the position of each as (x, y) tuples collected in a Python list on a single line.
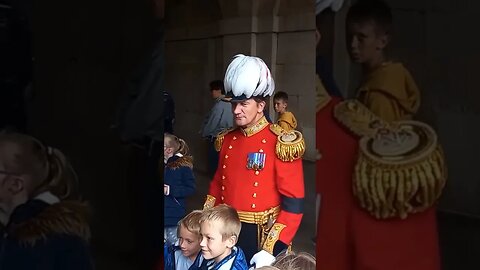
[(231, 241), (261, 106), (15, 184)]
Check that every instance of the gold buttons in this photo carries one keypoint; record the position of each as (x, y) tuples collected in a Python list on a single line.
[(224, 166), (254, 195), (223, 187), (234, 138), (255, 184), (223, 177), (230, 147), (226, 156), (261, 150), (253, 206), (223, 198), (264, 141), (257, 172)]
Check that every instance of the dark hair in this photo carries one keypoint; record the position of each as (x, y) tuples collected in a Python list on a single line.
[(281, 95), (377, 11), (48, 166), (217, 84)]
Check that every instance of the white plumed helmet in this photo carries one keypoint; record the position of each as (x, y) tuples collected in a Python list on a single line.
[(247, 77)]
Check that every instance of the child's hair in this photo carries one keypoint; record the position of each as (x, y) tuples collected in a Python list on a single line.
[(226, 214), (377, 11), (47, 166), (191, 222), (217, 84), (178, 144), (292, 261), (280, 95)]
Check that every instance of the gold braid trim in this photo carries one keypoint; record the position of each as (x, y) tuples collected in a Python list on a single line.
[(209, 202), (272, 237), (398, 186), (290, 144), (220, 137), (358, 118)]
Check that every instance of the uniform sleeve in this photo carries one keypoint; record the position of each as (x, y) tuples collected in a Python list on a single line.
[(289, 178), (213, 121), (185, 185), (214, 190), (382, 106)]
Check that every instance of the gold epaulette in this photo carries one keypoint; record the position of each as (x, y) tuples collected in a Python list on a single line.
[(290, 144), (399, 184), (219, 139)]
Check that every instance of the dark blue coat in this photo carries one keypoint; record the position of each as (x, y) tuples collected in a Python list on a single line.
[(178, 174), (41, 236)]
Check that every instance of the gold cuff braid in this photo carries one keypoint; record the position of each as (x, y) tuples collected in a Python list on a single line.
[(272, 237), (209, 202)]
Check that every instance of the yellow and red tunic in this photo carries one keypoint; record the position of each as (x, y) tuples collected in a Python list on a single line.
[(277, 189)]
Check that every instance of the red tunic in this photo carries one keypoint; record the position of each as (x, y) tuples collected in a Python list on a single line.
[(246, 190), (350, 238), (334, 176)]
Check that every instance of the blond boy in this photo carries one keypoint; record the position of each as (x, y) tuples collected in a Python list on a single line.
[(219, 228), (186, 255)]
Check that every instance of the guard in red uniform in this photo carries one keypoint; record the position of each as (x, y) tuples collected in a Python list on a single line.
[(260, 170)]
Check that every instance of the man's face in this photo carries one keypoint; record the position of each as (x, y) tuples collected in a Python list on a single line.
[(247, 112), (213, 246), (189, 243), (216, 93), (280, 105), (364, 42)]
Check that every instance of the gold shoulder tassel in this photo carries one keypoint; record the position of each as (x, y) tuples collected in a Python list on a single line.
[(290, 144), (402, 185), (220, 137)]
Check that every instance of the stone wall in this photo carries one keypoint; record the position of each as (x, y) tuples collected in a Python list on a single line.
[(436, 41), (201, 39)]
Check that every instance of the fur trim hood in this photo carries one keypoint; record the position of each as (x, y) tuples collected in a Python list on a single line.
[(176, 162), (38, 220)]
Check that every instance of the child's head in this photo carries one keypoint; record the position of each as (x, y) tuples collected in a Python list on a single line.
[(217, 88), (28, 168), (220, 227), (280, 102), (292, 261), (188, 232), (369, 27), (173, 145)]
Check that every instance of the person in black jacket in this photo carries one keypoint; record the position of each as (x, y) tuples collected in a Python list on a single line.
[(43, 226)]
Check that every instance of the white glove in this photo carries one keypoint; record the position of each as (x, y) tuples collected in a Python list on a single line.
[(262, 258)]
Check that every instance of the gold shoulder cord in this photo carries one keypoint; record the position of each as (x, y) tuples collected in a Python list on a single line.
[(220, 137), (358, 118), (290, 144)]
